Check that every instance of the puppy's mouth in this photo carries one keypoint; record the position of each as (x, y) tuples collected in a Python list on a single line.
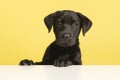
[(65, 43)]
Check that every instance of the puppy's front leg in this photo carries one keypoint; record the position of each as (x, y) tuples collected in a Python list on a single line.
[(62, 63)]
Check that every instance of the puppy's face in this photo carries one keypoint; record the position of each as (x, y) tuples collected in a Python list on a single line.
[(67, 25), (66, 28)]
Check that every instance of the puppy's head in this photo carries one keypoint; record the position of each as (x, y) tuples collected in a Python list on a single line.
[(67, 25)]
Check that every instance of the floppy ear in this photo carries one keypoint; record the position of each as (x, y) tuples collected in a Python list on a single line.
[(49, 20), (85, 23)]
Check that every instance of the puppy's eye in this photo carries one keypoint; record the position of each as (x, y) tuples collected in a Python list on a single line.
[(73, 21), (75, 24)]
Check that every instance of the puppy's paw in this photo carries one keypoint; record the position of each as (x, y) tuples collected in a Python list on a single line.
[(62, 63), (26, 62)]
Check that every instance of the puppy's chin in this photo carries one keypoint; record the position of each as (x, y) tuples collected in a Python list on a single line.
[(65, 43)]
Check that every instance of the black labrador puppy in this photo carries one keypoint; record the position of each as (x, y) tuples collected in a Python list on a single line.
[(64, 51)]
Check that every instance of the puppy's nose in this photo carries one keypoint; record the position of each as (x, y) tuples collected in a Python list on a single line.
[(66, 36)]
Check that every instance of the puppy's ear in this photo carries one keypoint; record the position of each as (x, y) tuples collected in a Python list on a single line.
[(49, 20), (85, 23)]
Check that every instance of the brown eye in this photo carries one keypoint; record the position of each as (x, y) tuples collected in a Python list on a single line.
[(73, 21), (75, 24), (58, 22)]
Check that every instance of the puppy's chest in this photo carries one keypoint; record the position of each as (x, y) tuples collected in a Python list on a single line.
[(65, 53)]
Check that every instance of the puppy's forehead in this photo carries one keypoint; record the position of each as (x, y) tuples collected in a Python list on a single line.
[(68, 15)]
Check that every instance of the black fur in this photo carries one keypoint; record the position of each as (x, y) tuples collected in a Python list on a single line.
[(64, 51)]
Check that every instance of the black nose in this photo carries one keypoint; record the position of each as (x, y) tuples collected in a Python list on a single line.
[(66, 36)]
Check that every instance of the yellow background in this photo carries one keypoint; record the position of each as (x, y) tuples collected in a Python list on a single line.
[(23, 33)]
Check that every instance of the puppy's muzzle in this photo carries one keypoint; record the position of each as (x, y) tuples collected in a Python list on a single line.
[(66, 36), (64, 40)]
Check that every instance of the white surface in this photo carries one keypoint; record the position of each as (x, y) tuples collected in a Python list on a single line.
[(60, 73)]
